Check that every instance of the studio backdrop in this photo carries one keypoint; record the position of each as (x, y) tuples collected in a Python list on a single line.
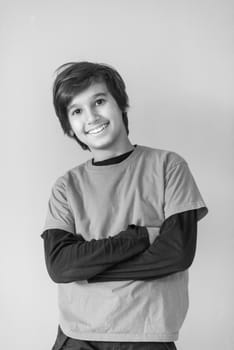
[(176, 58)]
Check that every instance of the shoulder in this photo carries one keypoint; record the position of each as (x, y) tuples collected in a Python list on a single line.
[(66, 180), (165, 158)]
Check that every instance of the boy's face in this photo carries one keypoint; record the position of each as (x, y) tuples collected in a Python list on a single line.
[(96, 120)]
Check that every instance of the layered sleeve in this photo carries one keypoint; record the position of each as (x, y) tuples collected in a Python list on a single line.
[(59, 214), (181, 192)]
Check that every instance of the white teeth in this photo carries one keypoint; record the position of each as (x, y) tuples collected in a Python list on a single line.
[(97, 130)]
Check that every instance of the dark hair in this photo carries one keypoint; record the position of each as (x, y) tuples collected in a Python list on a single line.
[(74, 77)]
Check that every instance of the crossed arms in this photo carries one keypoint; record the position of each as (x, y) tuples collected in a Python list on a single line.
[(126, 256)]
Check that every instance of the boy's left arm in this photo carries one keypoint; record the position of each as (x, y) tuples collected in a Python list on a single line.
[(172, 251)]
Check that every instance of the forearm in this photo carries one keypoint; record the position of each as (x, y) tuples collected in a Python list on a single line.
[(173, 251), (70, 258)]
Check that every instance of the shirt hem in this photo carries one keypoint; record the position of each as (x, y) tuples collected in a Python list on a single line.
[(200, 206), (58, 227), (120, 337)]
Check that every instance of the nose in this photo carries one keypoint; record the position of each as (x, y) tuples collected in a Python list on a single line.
[(91, 116)]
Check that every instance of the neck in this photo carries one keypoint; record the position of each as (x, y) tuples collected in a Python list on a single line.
[(121, 148)]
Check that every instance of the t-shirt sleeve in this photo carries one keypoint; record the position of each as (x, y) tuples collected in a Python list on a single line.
[(59, 214), (181, 192)]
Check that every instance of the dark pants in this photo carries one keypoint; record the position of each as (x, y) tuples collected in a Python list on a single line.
[(65, 343)]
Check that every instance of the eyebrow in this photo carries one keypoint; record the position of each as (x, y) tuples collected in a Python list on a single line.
[(99, 94)]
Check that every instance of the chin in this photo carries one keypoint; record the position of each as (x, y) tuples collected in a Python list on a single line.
[(103, 145)]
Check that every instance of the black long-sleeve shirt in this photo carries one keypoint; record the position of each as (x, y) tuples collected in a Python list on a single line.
[(70, 258), (126, 256)]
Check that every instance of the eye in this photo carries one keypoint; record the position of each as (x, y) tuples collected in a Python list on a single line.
[(76, 111), (99, 102)]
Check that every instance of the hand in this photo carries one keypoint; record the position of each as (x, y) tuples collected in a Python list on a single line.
[(153, 232)]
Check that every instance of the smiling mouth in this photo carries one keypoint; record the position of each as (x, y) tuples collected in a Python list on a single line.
[(98, 130)]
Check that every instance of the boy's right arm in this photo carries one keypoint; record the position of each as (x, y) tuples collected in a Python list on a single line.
[(70, 258)]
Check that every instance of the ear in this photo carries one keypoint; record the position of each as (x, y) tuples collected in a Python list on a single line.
[(71, 133)]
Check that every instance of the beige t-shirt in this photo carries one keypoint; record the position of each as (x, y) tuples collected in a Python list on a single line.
[(100, 201)]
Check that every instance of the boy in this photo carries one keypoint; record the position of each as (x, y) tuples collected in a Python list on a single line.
[(121, 228)]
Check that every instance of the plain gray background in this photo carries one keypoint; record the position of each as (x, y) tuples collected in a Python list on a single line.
[(177, 60)]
